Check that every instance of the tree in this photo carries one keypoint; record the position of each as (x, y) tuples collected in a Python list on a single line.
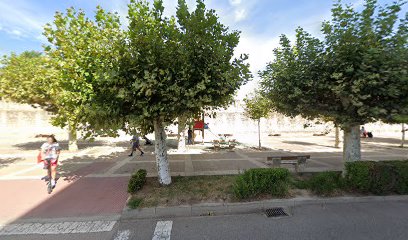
[(399, 119), (82, 51), (256, 108), (27, 78), (355, 75), (146, 76)]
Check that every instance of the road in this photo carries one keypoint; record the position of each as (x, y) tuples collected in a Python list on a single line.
[(371, 221)]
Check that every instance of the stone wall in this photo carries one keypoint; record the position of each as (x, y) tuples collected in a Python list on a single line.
[(19, 121), (25, 121)]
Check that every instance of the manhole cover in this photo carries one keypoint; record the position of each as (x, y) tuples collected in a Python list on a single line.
[(275, 212)]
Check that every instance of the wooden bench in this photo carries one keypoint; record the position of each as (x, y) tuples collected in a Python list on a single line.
[(217, 144), (297, 161), (322, 133), (231, 144)]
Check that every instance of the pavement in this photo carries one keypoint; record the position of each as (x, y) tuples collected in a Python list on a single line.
[(91, 190)]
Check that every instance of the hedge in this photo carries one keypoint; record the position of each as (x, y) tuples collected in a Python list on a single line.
[(325, 183), (253, 182), (378, 177)]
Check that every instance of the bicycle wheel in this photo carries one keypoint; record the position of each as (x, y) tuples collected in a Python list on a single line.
[(49, 185)]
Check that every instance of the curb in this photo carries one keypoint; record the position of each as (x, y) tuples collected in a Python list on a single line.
[(220, 209)]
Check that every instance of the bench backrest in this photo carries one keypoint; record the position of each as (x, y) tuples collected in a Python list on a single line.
[(299, 157)]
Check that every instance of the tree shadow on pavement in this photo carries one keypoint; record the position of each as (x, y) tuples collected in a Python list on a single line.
[(306, 144), (5, 162), (76, 167), (63, 144)]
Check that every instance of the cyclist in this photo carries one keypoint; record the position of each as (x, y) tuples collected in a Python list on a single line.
[(50, 151)]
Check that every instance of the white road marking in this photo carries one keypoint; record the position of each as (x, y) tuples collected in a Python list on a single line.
[(122, 235), (57, 228), (163, 230)]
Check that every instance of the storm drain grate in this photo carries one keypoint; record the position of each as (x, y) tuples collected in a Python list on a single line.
[(275, 212)]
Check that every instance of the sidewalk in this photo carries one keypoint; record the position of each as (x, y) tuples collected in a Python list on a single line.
[(93, 182)]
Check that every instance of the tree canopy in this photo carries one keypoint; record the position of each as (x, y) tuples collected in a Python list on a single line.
[(256, 107), (148, 74), (355, 74), (28, 78)]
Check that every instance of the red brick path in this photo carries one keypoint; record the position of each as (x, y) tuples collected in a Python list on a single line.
[(84, 196)]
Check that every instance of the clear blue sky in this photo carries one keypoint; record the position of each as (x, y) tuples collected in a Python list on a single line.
[(261, 21)]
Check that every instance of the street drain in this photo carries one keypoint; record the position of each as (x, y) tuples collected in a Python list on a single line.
[(275, 212)]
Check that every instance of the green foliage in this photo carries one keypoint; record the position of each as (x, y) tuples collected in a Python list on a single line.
[(325, 183), (134, 202), (137, 181), (358, 175), (251, 183), (401, 169), (356, 74), (155, 70), (86, 55), (378, 177), (28, 78), (256, 107), (145, 76)]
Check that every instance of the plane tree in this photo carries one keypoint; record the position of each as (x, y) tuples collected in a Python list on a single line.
[(146, 75), (257, 107), (354, 74), (30, 78)]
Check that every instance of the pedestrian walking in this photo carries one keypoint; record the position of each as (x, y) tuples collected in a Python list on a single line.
[(136, 145)]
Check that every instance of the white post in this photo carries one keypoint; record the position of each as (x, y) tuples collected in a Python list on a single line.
[(161, 153), (403, 135)]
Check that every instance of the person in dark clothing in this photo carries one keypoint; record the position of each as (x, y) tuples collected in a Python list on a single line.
[(148, 142), (190, 136), (136, 145)]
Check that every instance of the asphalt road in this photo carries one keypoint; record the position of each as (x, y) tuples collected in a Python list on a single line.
[(371, 221)]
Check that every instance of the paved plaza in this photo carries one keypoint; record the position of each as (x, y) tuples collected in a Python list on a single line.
[(93, 180)]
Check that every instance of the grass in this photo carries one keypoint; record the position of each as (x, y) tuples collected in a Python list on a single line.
[(135, 202), (184, 191)]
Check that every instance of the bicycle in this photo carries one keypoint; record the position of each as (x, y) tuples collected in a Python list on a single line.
[(48, 177)]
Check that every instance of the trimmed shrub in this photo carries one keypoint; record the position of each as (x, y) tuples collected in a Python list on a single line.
[(137, 181), (251, 183), (358, 175), (401, 185), (382, 178), (378, 177), (325, 183)]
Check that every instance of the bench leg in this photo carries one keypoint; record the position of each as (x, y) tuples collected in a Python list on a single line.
[(302, 167), (297, 168), (276, 163)]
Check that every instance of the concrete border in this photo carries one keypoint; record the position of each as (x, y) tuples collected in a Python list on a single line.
[(219, 209)]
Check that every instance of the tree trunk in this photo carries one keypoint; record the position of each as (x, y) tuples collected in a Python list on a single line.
[(336, 136), (259, 133), (72, 138), (181, 136), (403, 135), (352, 144), (162, 162)]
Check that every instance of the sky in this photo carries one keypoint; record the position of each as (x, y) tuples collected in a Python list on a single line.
[(261, 22)]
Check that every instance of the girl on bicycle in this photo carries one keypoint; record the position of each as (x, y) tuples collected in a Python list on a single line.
[(50, 151)]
